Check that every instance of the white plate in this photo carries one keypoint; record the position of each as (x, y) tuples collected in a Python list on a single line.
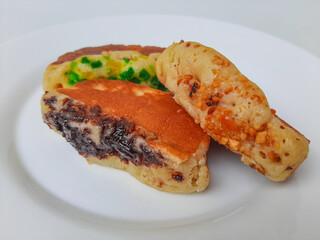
[(49, 191)]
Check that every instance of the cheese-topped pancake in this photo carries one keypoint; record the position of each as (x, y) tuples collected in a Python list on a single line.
[(231, 108)]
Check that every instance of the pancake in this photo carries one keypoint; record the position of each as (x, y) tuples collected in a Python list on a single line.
[(129, 63), (231, 109), (133, 128)]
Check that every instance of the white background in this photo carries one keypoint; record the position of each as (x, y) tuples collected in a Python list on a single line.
[(297, 21)]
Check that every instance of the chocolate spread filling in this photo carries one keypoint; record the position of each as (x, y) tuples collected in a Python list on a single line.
[(118, 137), (177, 176), (50, 102)]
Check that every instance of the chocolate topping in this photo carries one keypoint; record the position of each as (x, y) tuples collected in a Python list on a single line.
[(70, 56), (118, 136)]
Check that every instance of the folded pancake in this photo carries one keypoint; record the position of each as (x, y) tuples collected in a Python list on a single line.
[(231, 109), (129, 63), (133, 128)]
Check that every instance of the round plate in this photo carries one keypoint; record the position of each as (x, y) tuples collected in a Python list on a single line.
[(40, 167)]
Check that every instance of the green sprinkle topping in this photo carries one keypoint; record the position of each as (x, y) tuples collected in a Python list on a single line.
[(110, 68), (154, 81), (85, 60), (74, 78), (96, 64), (127, 75), (151, 68), (161, 87), (73, 65), (135, 80), (144, 75)]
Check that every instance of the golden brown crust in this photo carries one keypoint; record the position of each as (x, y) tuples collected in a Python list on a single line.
[(70, 56), (149, 108), (231, 108)]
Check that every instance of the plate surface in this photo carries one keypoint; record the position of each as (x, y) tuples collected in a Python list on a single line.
[(43, 176)]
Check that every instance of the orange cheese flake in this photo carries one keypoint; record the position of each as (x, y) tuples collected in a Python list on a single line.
[(215, 84), (227, 122), (199, 104), (187, 77), (223, 140), (220, 61), (252, 131), (234, 144), (202, 89), (215, 99), (261, 137)]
